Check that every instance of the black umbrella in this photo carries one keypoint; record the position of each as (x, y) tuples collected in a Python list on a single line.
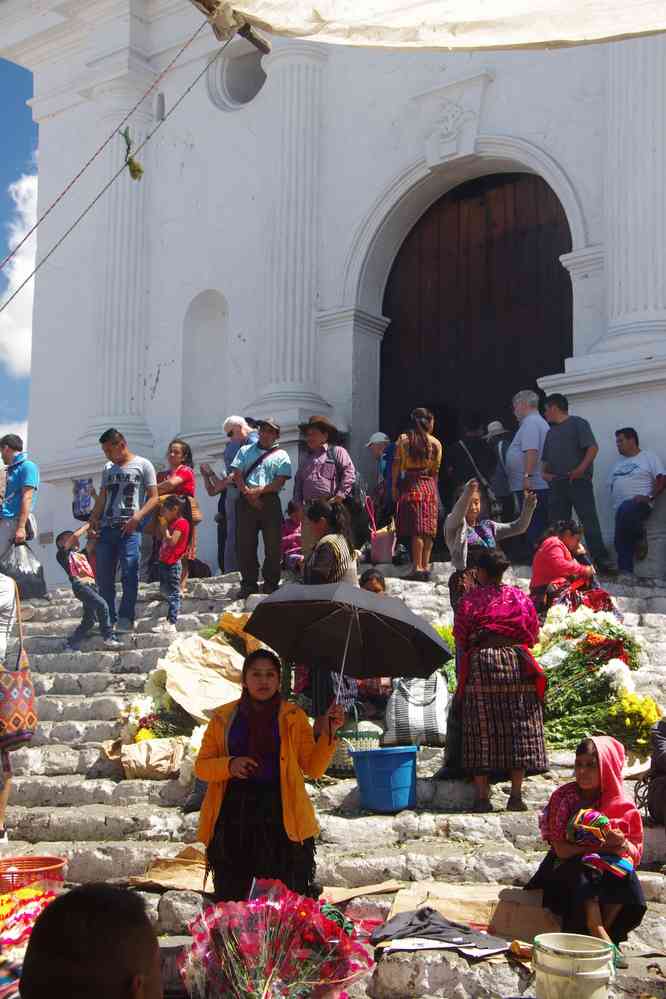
[(341, 627)]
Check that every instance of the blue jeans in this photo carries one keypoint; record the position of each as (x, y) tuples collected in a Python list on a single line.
[(629, 526), (170, 576), (95, 608), (114, 547), (539, 521)]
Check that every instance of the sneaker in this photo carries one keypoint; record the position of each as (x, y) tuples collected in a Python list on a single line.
[(112, 643), (164, 628), (125, 625)]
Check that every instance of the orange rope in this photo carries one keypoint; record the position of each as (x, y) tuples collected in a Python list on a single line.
[(97, 152), (106, 187)]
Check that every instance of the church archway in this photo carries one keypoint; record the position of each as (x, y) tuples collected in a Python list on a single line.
[(204, 362), (478, 302)]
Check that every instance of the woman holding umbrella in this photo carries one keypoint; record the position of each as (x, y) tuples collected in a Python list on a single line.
[(257, 820)]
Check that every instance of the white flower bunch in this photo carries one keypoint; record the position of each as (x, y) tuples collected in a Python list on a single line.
[(559, 622), (619, 675), (137, 709)]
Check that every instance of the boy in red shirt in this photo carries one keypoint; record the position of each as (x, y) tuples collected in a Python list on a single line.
[(177, 517)]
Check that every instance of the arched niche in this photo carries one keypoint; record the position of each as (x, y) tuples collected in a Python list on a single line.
[(205, 349)]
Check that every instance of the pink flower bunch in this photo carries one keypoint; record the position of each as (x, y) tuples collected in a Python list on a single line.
[(278, 946)]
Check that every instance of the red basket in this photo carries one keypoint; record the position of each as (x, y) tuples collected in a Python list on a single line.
[(19, 872)]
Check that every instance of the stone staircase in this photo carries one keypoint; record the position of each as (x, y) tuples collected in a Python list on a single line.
[(68, 799)]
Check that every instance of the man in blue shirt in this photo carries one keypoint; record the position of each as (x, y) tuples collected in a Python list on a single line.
[(260, 471), (21, 486)]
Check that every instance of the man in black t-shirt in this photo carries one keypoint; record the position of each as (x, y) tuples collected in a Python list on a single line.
[(568, 462)]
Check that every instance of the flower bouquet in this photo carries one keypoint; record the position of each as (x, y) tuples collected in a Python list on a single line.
[(589, 657), (278, 945)]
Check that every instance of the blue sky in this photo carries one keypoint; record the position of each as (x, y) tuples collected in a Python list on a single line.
[(19, 142)]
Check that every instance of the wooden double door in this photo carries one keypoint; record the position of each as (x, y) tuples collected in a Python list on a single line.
[(479, 303)]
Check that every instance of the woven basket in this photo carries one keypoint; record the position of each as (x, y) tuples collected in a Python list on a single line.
[(19, 872), (350, 738)]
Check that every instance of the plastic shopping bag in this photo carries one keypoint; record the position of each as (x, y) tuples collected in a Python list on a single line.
[(20, 564)]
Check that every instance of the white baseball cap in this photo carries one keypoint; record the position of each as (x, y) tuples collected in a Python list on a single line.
[(379, 438)]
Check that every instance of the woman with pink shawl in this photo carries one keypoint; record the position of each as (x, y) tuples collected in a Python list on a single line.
[(606, 903), (500, 684)]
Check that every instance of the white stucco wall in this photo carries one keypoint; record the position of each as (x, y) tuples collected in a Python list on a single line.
[(212, 191)]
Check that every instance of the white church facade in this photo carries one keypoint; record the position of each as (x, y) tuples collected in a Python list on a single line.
[(338, 231)]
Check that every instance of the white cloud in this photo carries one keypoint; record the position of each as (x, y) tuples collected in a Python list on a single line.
[(20, 428), (16, 320)]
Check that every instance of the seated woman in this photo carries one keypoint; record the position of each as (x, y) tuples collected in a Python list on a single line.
[(468, 535), (559, 578), (374, 692), (500, 684), (333, 557), (257, 820), (603, 899), (332, 560)]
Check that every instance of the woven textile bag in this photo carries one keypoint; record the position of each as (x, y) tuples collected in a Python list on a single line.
[(18, 713), (416, 712)]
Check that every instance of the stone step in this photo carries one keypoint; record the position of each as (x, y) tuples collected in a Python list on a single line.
[(150, 606), (101, 861), (74, 790), (134, 660), (75, 732), (63, 761), (64, 627), (80, 707), (88, 683), (80, 824), (40, 644)]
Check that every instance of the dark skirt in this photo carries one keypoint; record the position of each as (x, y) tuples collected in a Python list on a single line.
[(418, 506), (502, 717), (568, 884), (250, 841)]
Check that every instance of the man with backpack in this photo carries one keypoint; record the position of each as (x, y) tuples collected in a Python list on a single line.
[(325, 471)]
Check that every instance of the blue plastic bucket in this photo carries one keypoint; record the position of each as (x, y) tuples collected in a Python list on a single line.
[(386, 778)]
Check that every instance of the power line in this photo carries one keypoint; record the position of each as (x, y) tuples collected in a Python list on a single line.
[(97, 152), (122, 169)]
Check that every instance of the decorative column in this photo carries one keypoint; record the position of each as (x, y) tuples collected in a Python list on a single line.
[(295, 80), (122, 317), (636, 195)]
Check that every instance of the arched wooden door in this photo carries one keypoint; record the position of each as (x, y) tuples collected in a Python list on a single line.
[(479, 303)]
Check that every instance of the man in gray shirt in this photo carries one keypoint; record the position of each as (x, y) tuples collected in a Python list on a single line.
[(127, 496), (568, 460), (523, 461)]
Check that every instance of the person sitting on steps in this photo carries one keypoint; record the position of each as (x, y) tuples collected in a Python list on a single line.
[(589, 900)]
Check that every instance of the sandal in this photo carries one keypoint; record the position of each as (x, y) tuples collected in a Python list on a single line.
[(515, 804)]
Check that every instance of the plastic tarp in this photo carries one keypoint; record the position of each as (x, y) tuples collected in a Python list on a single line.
[(444, 24), (202, 674)]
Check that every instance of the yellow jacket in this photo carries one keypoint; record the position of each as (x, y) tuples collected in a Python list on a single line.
[(299, 754)]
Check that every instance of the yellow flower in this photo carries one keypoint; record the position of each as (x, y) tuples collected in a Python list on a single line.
[(143, 734)]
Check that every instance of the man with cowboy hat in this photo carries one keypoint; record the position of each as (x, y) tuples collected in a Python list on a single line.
[(325, 471), (260, 471)]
